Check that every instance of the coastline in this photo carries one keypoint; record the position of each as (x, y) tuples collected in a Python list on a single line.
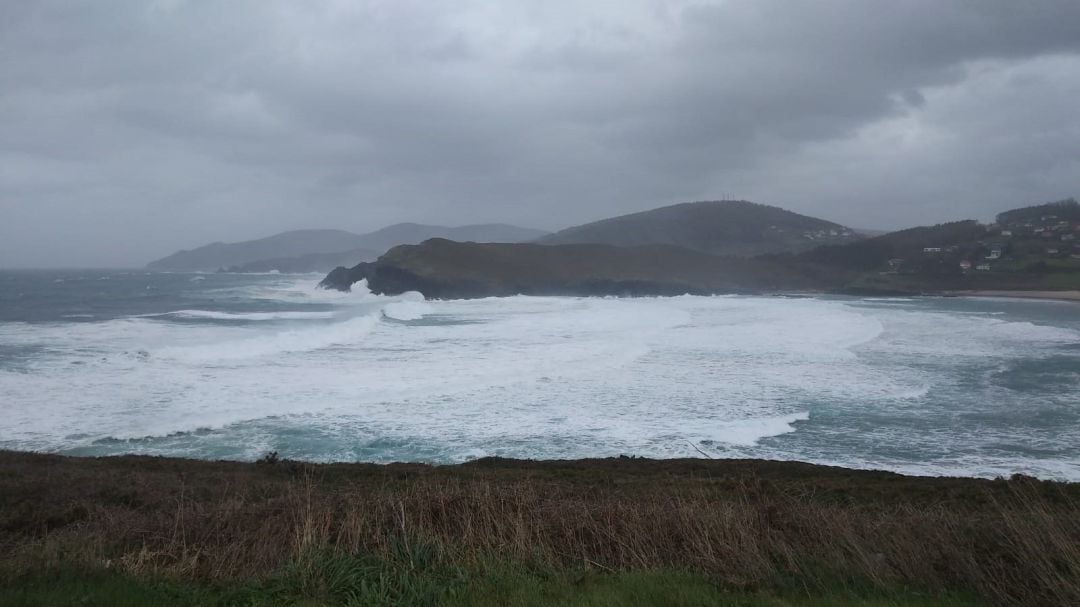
[(1069, 296)]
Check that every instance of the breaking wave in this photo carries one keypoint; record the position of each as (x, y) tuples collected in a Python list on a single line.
[(749, 432), (212, 315), (283, 342)]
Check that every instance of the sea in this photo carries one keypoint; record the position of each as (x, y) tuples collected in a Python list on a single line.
[(232, 366)]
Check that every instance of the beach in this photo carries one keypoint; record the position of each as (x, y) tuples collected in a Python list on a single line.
[(1073, 296)]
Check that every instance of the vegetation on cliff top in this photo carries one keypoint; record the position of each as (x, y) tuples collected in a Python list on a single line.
[(446, 269)]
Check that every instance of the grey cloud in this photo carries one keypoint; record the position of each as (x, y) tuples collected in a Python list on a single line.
[(128, 130)]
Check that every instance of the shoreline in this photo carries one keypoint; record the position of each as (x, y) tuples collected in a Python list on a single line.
[(622, 463), (1061, 296)]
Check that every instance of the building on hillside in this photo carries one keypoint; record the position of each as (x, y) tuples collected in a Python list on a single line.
[(1006, 232), (983, 266), (931, 249)]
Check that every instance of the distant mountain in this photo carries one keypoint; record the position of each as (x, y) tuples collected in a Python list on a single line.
[(287, 244), (413, 233), (302, 264), (441, 268), (313, 250), (738, 228)]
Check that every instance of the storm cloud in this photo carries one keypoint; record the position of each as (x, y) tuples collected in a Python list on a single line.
[(131, 129)]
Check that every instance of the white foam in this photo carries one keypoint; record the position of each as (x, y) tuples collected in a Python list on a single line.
[(407, 306), (749, 432), (520, 376), (406, 310), (283, 342), (209, 314)]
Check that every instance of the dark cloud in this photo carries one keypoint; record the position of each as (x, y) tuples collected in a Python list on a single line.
[(128, 130)]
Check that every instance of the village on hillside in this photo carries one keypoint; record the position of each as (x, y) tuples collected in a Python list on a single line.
[(1036, 240)]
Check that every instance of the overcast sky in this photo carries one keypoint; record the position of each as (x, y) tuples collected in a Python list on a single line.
[(130, 129)]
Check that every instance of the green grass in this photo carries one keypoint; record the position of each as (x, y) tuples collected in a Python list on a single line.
[(362, 582), (661, 588), (1062, 281)]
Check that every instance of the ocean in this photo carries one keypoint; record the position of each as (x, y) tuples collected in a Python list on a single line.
[(227, 366)]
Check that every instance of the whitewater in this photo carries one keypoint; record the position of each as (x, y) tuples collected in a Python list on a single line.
[(236, 366)]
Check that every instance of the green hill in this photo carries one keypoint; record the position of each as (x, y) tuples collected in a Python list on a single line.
[(1030, 248), (738, 228), (1033, 216)]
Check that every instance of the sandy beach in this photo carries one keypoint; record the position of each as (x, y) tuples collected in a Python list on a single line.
[(1073, 296)]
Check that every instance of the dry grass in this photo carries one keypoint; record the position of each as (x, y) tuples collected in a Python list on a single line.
[(750, 525)]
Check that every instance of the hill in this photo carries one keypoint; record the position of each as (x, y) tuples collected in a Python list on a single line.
[(1067, 210), (1035, 248), (441, 268), (875, 253), (738, 228), (320, 250), (1032, 248)]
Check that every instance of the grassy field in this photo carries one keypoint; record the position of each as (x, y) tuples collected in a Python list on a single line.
[(135, 531)]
